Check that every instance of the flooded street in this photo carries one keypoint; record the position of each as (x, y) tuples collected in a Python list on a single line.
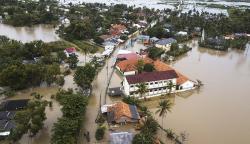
[(52, 113), (218, 113), (45, 33)]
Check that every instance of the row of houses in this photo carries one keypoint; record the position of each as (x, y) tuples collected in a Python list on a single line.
[(7, 113), (156, 81)]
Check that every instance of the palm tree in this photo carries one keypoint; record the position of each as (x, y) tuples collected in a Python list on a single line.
[(142, 89), (86, 51), (170, 86), (164, 107)]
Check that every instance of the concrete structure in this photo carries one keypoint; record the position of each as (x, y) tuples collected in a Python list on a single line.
[(156, 83), (165, 43)]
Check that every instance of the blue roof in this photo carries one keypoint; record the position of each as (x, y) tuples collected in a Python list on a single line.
[(134, 113), (166, 41)]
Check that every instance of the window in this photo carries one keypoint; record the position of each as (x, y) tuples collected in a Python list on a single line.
[(156, 82), (131, 86), (151, 83)]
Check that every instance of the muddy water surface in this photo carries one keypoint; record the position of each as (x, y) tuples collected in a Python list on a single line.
[(218, 113), (45, 33), (52, 114)]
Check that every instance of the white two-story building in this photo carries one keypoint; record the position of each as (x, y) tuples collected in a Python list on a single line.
[(156, 83)]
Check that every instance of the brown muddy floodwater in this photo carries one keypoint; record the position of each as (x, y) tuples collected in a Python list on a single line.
[(218, 113), (52, 114), (45, 33)]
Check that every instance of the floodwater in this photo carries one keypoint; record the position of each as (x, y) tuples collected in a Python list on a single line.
[(219, 112), (45, 33), (52, 114)]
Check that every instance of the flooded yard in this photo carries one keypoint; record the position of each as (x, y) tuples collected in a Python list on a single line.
[(52, 113)]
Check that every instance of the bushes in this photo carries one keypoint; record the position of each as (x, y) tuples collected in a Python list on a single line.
[(99, 134), (60, 81), (131, 100), (66, 129), (146, 136)]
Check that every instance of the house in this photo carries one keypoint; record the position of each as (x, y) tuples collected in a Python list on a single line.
[(12, 105), (129, 56), (6, 115), (121, 138), (156, 82), (5, 127), (154, 40), (122, 113), (117, 29), (70, 51), (165, 43), (106, 38), (181, 33)]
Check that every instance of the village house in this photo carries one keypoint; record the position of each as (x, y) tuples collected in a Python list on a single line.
[(122, 113), (165, 43), (70, 51)]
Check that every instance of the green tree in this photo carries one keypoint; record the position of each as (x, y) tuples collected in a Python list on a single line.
[(85, 75), (142, 89), (149, 67), (140, 66), (164, 107), (155, 53), (73, 60), (170, 86)]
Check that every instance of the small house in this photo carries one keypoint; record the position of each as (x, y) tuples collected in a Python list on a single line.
[(122, 113), (165, 43), (70, 51)]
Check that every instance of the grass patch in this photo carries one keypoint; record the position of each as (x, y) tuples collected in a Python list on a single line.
[(84, 44)]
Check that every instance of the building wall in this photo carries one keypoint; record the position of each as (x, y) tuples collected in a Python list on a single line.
[(129, 73), (125, 87), (187, 85), (165, 47), (155, 88)]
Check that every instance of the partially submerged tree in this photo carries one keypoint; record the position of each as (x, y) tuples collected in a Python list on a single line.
[(85, 75)]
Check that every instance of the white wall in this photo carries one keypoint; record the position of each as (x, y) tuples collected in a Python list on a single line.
[(165, 47), (187, 85)]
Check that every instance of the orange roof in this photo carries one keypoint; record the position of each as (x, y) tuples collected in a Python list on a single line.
[(161, 66), (120, 109), (130, 65), (117, 29)]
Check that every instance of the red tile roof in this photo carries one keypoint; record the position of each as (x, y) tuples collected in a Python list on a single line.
[(151, 76), (130, 56), (70, 50), (130, 65)]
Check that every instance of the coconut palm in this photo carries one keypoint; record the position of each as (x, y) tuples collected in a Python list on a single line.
[(170, 86), (142, 89), (164, 107)]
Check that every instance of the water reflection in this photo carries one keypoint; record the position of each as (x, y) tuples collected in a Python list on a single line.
[(45, 33)]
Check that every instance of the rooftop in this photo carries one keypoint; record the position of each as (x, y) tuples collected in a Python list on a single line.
[(120, 109), (130, 65), (151, 76), (12, 105), (129, 56), (166, 41)]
